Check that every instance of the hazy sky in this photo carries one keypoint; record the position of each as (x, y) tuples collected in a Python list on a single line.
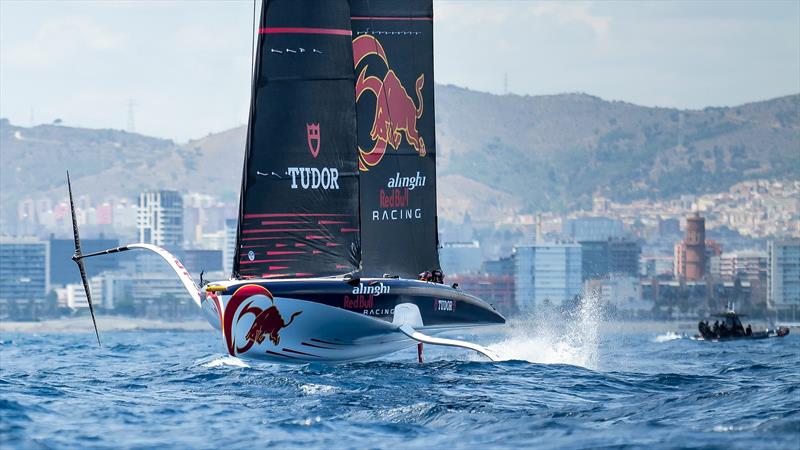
[(186, 63)]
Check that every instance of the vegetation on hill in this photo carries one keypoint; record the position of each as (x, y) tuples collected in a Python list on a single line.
[(497, 155), (556, 152)]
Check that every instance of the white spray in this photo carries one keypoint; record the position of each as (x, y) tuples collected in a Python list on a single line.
[(551, 337)]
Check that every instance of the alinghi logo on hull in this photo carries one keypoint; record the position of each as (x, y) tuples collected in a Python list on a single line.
[(375, 290)]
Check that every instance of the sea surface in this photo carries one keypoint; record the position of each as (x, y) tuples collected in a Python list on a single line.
[(566, 384)]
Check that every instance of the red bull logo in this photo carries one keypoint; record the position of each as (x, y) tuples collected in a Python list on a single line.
[(396, 113), (267, 323)]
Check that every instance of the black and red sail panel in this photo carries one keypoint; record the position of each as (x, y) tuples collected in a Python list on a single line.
[(393, 60), (299, 213)]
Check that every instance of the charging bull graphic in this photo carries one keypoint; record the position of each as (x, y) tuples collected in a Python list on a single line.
[(267, 323), (395, 111)]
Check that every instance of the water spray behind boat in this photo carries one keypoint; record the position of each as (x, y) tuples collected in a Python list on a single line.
[(556, 337)]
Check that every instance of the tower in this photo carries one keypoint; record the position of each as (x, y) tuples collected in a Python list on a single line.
[(695, 241)]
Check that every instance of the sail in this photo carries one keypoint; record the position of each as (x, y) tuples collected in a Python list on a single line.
[(299, 214), (393, 57)]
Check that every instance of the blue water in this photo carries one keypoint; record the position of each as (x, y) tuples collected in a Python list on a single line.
[(178, 390)]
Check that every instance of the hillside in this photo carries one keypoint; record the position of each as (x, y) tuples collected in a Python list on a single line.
[(497, 154), (554, 152)]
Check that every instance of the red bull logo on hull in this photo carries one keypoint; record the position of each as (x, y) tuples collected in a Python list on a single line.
[(267, 323), (396, 113)]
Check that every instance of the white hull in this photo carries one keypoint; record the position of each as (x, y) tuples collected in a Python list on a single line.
[(259, 325), (318, 333)]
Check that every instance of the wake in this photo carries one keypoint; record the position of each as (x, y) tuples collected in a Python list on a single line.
[(668, 336), (554, 337), (221, 361)]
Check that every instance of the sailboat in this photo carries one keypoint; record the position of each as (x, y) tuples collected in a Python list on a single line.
[(337, 241)]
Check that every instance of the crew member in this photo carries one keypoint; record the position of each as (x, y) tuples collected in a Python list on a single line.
[(437, 276)]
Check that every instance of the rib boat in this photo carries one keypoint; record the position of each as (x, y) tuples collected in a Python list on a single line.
[(337, 243), (729, 327)]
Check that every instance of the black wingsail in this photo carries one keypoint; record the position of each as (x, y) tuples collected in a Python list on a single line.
[(393, 56), (299, 213)]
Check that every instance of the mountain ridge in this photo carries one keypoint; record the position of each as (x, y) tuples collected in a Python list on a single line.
[(498, 155)]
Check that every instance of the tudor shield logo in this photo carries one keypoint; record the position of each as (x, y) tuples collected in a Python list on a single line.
[(313, 177), (312, 132)]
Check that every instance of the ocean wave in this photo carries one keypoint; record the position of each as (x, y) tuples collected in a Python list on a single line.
[(563, 385), (222, 361), (668, 336), (314, 389)]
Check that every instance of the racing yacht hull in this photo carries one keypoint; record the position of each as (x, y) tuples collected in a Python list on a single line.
[(331, 320)]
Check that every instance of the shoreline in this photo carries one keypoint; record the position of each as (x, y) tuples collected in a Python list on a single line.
[(83, 324), (104, 324), (121, 323)]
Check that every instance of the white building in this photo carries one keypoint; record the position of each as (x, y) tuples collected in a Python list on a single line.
[(547, 274), (747, 265), (783, 277), (159, 218), (112, 287), (624, 293), (594, 228), (229, 246), (73, 296)]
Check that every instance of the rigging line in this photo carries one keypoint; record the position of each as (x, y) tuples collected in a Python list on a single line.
[(253, 57), (253, 45)]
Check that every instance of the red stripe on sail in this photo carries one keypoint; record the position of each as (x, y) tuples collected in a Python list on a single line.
[(261, 216), (279, 275), (331, 222), (263, 260), (304, 30), (313, 236), (428, 19), (277, 267), (273, 253), (278, 245), (348, 230), (279, 230), (266, 238), (257, 261), (281, 222)]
